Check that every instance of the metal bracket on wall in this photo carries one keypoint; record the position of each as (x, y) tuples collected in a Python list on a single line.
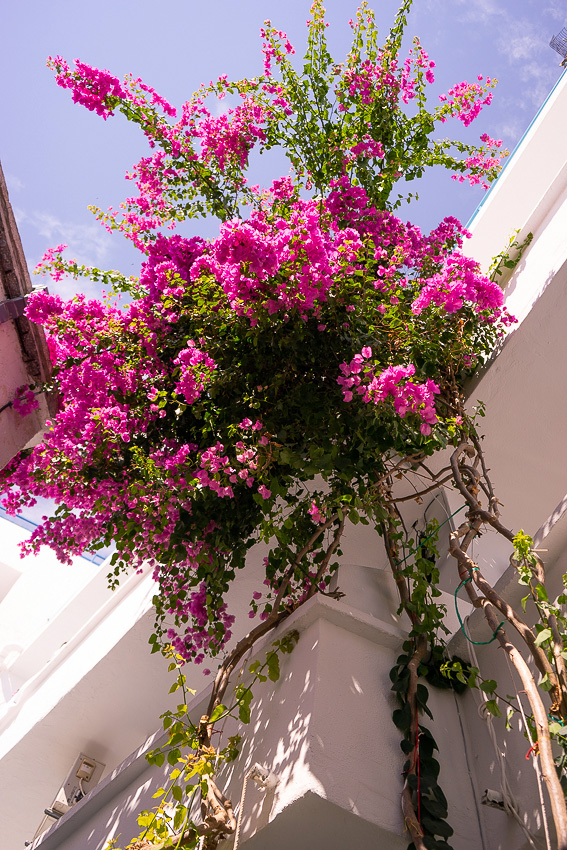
[(14, 308)]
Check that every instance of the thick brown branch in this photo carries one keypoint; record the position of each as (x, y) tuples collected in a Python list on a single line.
[(480, 454), (557, 647), (469, 567), (475, 506), (410, 818), (227, 667), (391, 553), (548, 771)]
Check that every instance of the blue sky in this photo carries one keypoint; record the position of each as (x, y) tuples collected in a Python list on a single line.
[(58, 158)]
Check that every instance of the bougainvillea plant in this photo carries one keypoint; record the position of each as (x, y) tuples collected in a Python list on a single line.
[(267, 384)]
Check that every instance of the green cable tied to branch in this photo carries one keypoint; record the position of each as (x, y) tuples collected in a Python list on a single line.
[(433, 533), (470, 640)]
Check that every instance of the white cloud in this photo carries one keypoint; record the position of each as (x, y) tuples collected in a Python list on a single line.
[(520, 45), (510, 125), (481, 11), (525, 45), (556, 10), (88, 243), (13, 183), (67, 287), (221, 106)]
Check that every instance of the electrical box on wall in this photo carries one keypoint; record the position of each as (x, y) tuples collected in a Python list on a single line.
[(84, 774)]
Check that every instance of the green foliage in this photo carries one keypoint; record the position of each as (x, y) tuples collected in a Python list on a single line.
[(421, 768), (192, 761), (509, 258)]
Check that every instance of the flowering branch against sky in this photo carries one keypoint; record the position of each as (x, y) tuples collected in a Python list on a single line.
[(58, 159)]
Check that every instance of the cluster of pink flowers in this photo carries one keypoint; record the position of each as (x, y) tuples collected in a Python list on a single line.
[(224, 142), (316, 513), (96, 423), (283, 264), (190, 606), (392, 384), (216, 468), (196, 371), (53, 263), (368, 82), (25, 401), (461, 281), (367, 148), (97, 90), (419, 60), (485, 161), (231, 137), (465, 100), (122, 453), (136, 86), (271, 47)]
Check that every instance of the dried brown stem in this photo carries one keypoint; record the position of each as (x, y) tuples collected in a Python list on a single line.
[(325, 562), (480, 454), (299, 557), (475, 506), (419, 493)]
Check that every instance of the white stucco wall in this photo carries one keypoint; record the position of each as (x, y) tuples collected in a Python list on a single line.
[(325, 729)]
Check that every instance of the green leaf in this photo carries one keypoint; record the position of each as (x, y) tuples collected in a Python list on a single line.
[(179, 817), (218, 712), (545, 684), (244, 697), (493, 707), (273, 663), (436, 827), (173, 756), (544, 635), (435, 809), (402, 717), (177, 793)]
